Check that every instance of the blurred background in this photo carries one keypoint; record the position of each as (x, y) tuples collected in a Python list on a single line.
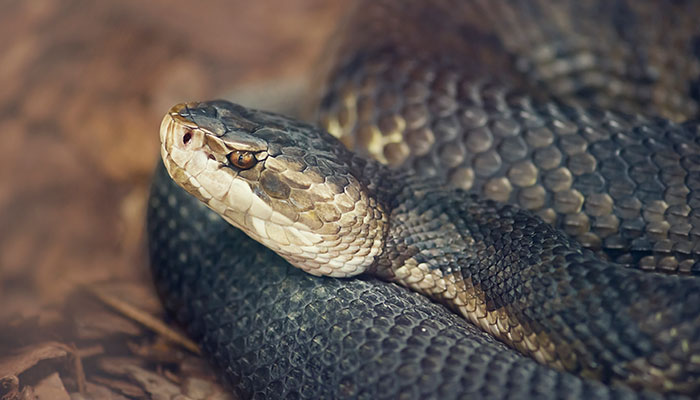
[(83, 86)]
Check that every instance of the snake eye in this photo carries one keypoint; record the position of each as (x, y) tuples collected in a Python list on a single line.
[(241, 159)]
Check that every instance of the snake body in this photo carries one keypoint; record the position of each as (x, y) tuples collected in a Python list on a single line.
[(622, 188)]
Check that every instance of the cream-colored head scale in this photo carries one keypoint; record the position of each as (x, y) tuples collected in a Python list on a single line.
[(280, 182)]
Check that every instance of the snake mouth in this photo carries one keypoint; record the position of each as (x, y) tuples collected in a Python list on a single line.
[(184, 140), (186, 151)]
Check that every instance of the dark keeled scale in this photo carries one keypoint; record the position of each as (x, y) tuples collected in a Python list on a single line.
[(623, 183), (277, 332)]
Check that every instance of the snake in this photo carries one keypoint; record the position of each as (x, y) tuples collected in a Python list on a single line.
[(528, 173)]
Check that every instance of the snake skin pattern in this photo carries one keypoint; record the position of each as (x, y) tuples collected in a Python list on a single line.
[(622, 185), (276, 332), (501, 267), (396, 99), (618, 183)]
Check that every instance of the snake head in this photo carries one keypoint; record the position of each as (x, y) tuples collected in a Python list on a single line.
[(286, 184)]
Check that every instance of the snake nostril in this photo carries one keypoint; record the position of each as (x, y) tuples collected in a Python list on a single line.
[(211, 157), (187, 137)]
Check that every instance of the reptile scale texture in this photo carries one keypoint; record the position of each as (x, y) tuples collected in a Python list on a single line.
[(528, 172)]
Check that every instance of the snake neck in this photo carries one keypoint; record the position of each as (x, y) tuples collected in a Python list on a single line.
[(425, 237)]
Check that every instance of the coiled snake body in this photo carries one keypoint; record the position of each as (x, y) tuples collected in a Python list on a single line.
[(597, 196)]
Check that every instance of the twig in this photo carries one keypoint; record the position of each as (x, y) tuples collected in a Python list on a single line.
[(79, 370), (145, 319)]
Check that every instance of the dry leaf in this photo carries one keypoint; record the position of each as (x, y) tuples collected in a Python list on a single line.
[(51, 388), (137, 294), (201, 389), (9, 388), (117, 365), (100, 392), (27, 357), (158, 387), (126, 388), (96, 324)]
